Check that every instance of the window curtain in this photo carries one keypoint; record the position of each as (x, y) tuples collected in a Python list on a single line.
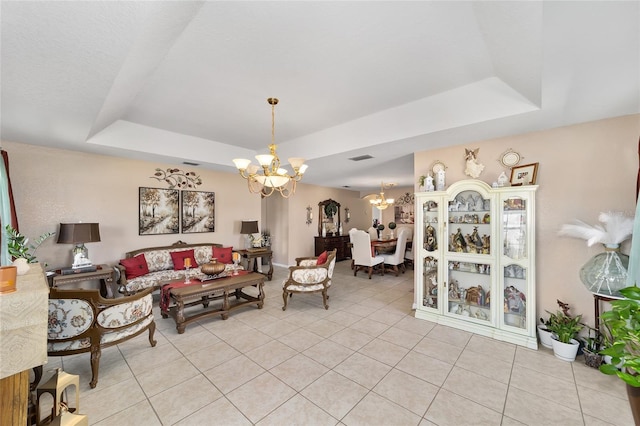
[(7, 208)]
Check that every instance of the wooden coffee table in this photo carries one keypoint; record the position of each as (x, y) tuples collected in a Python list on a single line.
[(204, 293)]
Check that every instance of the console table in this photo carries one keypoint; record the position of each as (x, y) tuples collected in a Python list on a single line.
[(104, 273), (252, 255), (338, 242)]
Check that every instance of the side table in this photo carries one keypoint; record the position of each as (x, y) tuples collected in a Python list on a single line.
[(252, 255), (104, 273)]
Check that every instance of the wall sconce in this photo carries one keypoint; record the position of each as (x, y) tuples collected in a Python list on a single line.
[(347, 214), (309, 216)]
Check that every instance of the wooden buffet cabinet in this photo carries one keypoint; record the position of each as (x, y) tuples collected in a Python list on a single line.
[(338, 242)]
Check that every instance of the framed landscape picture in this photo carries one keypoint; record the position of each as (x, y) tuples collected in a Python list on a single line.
[(158, 211), (198, 211), (524, 175)]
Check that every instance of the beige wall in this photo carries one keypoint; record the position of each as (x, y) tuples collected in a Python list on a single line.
[(53, 186), (584, 169)]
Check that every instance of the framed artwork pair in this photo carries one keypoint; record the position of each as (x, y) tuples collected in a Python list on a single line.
[(170, 211)]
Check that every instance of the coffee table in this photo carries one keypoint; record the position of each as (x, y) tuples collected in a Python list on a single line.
[(205, 292)]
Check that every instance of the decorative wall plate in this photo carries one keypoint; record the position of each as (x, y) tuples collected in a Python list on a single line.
[(437, 166), (510, 158)]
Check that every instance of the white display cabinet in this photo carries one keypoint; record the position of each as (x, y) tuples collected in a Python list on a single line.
[(474, 252)]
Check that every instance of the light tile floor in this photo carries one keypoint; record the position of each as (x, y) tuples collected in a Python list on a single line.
[(365, 361)]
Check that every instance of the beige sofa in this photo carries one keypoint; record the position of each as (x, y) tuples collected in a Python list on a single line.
[(160, 265)]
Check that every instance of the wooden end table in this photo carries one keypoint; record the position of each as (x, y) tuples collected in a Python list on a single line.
[(104, 273), (253, 255), (203, 293)]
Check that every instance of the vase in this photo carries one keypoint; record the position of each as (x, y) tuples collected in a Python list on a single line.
[(8, 279), (213, 267), (565, 351), (592, 359), (606, 273), (633, 395), (545, 336)]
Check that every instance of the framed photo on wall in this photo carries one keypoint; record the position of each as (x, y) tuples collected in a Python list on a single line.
[(198, 211), (158, 211), (524, 175)]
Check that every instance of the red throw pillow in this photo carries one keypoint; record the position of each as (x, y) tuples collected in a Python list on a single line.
[(223, 254), (178, 258), (322, 259), (135, 266)]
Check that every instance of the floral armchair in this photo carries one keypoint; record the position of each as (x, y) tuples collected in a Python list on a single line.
[(82, 321), (309, 277)]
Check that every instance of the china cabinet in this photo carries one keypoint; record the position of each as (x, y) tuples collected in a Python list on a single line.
[(475, 260)]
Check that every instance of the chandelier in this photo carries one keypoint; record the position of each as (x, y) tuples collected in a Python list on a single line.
[(268, 177), (380, 202)]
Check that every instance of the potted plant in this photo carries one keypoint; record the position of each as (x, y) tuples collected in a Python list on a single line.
[(19, 247), (592, 344), (565, 328), (545, 334), (622, 325)]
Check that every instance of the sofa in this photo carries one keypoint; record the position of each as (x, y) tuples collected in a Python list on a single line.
[(153, 266)]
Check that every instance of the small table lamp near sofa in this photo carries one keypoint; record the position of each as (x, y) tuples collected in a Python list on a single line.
[(78, 234), (249, 228)]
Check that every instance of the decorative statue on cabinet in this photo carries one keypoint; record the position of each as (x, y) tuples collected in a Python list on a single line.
[(473, 167)]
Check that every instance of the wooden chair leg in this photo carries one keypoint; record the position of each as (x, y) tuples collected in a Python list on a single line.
[(324, 298), (370, 271), (95, 365), (284, 297)]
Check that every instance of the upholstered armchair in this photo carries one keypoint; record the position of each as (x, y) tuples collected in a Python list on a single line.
[(309, 277), (82, 321), (396, 259), (362, 258)]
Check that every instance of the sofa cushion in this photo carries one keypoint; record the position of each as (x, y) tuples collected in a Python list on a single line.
[(223, 254), (135, 266), (178, 258), (322, 259)]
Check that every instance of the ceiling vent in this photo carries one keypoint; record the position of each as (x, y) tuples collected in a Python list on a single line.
[(189, 163), (361, 157)]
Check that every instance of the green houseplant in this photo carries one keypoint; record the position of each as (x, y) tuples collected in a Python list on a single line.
[(622, 329), (19, 247), (592, 343), (565, 328), (622, 325)]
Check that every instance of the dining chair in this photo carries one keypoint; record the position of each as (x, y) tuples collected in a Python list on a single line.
[(362, 258), (396, 259), (373, 233)]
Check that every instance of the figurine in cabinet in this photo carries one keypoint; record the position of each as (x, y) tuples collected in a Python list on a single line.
[(454, 291), (486, 244), (431, 244)]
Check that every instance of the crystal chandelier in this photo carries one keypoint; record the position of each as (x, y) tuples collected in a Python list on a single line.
[(271, 177), (380, 202)]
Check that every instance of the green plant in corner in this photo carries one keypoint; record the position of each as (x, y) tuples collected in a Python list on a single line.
[(19, 247), (564, 326), (622, 324)]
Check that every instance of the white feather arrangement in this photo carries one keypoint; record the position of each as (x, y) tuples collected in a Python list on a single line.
[(617, 228)]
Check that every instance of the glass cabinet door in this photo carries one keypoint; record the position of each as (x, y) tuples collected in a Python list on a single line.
[(430, 283), (469, 223), (514, 224), (469, 290), (515, 298)]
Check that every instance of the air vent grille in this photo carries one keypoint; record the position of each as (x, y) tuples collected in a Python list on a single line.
[(361, 157), (189, 163)]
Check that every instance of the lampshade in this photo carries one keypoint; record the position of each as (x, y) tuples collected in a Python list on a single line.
[(74, 233), (249, 227)]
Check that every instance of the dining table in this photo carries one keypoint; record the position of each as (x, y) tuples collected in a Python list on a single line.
[(383, 246)]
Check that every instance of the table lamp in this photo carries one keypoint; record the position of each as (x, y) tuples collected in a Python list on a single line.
[(78, 234), (249, 228)]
